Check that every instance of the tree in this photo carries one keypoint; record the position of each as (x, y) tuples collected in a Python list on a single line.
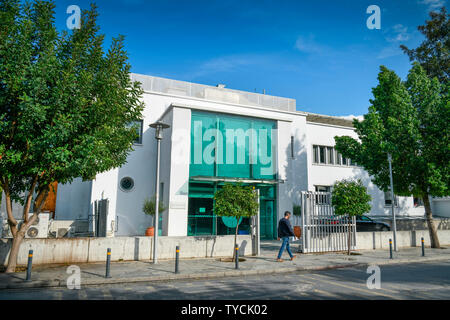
[(409, 120), (433, 53), (350, 198), (236, 201), (149, 206), (65, 106)]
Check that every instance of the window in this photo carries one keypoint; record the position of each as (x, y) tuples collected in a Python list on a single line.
[(292, 146), (388, 199), (322, 154), (322, 198), (344, 161), (138, 125), (323, 188), (316, 154), (338, 158), (330, 155), (126, 184), (418, 202), (244, 148), (161, 191)]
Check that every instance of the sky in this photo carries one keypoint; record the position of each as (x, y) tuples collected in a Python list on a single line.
[(319, 52)]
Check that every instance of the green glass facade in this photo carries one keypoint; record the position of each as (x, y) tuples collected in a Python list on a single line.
[(225, 146)]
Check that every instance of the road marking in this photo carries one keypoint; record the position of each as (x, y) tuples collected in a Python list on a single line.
[(325, 293), (107, 294), (150, 289), (326, 276), (58, 295), (82, 294), (353, 288)]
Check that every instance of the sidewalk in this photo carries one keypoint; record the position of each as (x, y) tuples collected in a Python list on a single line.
[(146, 271)]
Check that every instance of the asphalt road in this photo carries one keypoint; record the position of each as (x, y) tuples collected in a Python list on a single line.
[(408, 281)]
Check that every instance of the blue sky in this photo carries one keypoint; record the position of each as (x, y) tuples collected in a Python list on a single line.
[(320, 53)]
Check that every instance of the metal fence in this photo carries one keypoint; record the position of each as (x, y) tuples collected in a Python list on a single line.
[(322, 230), (202, 225), (200, 91)]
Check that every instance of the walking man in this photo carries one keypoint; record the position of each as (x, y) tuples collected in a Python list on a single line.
[(285, 232)]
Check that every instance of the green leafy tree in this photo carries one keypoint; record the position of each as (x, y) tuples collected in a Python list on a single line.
[(434, 52), (235, 200), (149, 206), (349, 198), (65, 106), (409, 120)]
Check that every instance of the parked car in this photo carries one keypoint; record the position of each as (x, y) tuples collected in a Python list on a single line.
[(364, 223)]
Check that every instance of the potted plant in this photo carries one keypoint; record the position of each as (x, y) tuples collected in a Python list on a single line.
[(297, 211), (149, 209)]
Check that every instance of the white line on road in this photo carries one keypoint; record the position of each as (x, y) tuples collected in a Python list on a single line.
[(107, 294), (322, 278), (82, 294)]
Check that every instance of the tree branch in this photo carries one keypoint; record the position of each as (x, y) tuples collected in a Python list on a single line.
[(27, 206), (11, 220), (41, 197)]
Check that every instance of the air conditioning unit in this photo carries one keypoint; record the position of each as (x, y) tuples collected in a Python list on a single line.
[(39, 229), (62, 228), (64, 232)]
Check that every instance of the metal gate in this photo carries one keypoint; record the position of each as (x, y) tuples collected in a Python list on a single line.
[(322, 230), (101, 215)]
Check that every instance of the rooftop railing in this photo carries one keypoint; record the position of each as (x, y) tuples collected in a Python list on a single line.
[(200, 91)]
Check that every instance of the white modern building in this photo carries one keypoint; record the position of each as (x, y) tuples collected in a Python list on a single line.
[(218, 135)]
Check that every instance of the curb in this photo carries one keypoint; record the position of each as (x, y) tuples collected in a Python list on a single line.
[(212, 275)]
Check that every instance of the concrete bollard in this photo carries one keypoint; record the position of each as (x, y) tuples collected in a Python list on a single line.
[(108, 263), (390, 248), (30, 264), (236, 259), (177, 259), (423, 247)]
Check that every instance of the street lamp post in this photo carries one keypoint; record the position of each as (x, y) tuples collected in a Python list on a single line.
[(159, 127), (394, 225)]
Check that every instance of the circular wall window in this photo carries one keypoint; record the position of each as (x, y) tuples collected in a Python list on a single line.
[(127, 184)]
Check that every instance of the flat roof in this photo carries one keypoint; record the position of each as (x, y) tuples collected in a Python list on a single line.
[(218, 93), (221, 94), (337, 121)]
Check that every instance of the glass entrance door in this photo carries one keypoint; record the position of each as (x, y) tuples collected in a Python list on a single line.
[(267, 220)]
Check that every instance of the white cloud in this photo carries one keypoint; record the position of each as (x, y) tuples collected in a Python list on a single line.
[(351, 117), (388, 52), (309, 45), (229, 63), (398, 33), (432, 4)]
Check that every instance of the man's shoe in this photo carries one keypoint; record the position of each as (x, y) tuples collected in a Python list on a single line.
[(280, 260), (293, 257)]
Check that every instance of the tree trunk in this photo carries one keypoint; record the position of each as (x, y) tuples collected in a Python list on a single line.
[(14, 252), (431, 227), (349, 234), (20, 234), (11, 221)]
